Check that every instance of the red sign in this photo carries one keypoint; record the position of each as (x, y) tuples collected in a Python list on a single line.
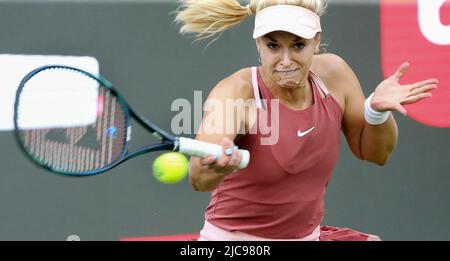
[(418, 32)]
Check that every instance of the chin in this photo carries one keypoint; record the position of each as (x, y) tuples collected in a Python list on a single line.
[(287, 85)]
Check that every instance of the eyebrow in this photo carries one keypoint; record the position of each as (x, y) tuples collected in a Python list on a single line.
[(270, 38)]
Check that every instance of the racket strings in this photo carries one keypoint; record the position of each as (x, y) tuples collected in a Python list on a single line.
[(76, 149)]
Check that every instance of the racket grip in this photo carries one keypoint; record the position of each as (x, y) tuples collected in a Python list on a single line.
[(203, 149)]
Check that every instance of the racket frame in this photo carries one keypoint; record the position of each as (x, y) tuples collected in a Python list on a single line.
[(168, 141)]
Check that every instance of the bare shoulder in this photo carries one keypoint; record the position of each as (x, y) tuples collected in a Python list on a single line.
[(236, 86), (330, 67), (337, 75)]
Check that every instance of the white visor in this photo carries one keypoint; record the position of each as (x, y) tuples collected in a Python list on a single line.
[(293, 19)]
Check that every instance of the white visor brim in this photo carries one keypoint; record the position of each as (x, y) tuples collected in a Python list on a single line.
[(293, 19)]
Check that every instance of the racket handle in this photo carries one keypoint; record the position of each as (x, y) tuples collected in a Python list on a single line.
[(203, 149)]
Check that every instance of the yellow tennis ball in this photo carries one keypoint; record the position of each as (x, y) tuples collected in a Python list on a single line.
[(170, 167)]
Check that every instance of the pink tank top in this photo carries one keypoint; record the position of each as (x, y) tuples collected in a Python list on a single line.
[(280, 194)]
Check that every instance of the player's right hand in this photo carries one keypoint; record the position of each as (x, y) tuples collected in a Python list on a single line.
[(228, 162)]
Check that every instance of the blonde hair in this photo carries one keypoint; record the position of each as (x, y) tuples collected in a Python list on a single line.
[(207, 18)]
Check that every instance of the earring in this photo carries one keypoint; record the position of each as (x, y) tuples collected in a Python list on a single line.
[(259, 59)]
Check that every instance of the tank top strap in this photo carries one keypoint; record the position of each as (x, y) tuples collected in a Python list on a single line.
[(257, 90), (256, 87), (319, 83)]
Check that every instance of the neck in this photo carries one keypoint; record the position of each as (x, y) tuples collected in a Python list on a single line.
[(297, 96)]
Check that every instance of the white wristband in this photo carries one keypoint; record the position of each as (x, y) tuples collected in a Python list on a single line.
[(374, 117)]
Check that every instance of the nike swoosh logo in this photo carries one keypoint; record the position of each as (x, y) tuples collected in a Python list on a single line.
[(301, 134)]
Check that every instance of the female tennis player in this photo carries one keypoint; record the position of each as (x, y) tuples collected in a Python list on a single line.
[(280, 195)]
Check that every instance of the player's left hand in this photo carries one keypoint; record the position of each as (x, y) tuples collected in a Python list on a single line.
[(390, 95)]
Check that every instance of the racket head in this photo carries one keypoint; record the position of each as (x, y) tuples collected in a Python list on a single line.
[(70, 121)]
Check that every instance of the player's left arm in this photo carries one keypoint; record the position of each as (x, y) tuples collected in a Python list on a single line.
[(369, 142), (373, 143)]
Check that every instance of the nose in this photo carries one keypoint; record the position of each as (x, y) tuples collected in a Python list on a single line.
[(286, 60)]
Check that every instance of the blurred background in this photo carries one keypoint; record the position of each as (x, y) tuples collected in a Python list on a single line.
[(140, 51)]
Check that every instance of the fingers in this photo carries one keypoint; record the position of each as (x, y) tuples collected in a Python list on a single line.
[(236, 159), (207, 160), (401, 71), (400, 109), (226, 143), (422, 89), (424, 83), (226, 163), (229, 161), (416, 98)]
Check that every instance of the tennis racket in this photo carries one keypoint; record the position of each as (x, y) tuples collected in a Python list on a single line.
[(73, 122)]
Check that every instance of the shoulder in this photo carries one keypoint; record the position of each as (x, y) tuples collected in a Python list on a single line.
[(336, 74), (235, 86), (330, 67)]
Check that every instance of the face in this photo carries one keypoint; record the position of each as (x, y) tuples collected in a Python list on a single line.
[(286, 58)]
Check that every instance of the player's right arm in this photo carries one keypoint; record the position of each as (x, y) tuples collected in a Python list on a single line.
[(221, 123)]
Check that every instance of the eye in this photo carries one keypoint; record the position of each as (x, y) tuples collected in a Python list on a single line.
[(299, 46), (272, 46)]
